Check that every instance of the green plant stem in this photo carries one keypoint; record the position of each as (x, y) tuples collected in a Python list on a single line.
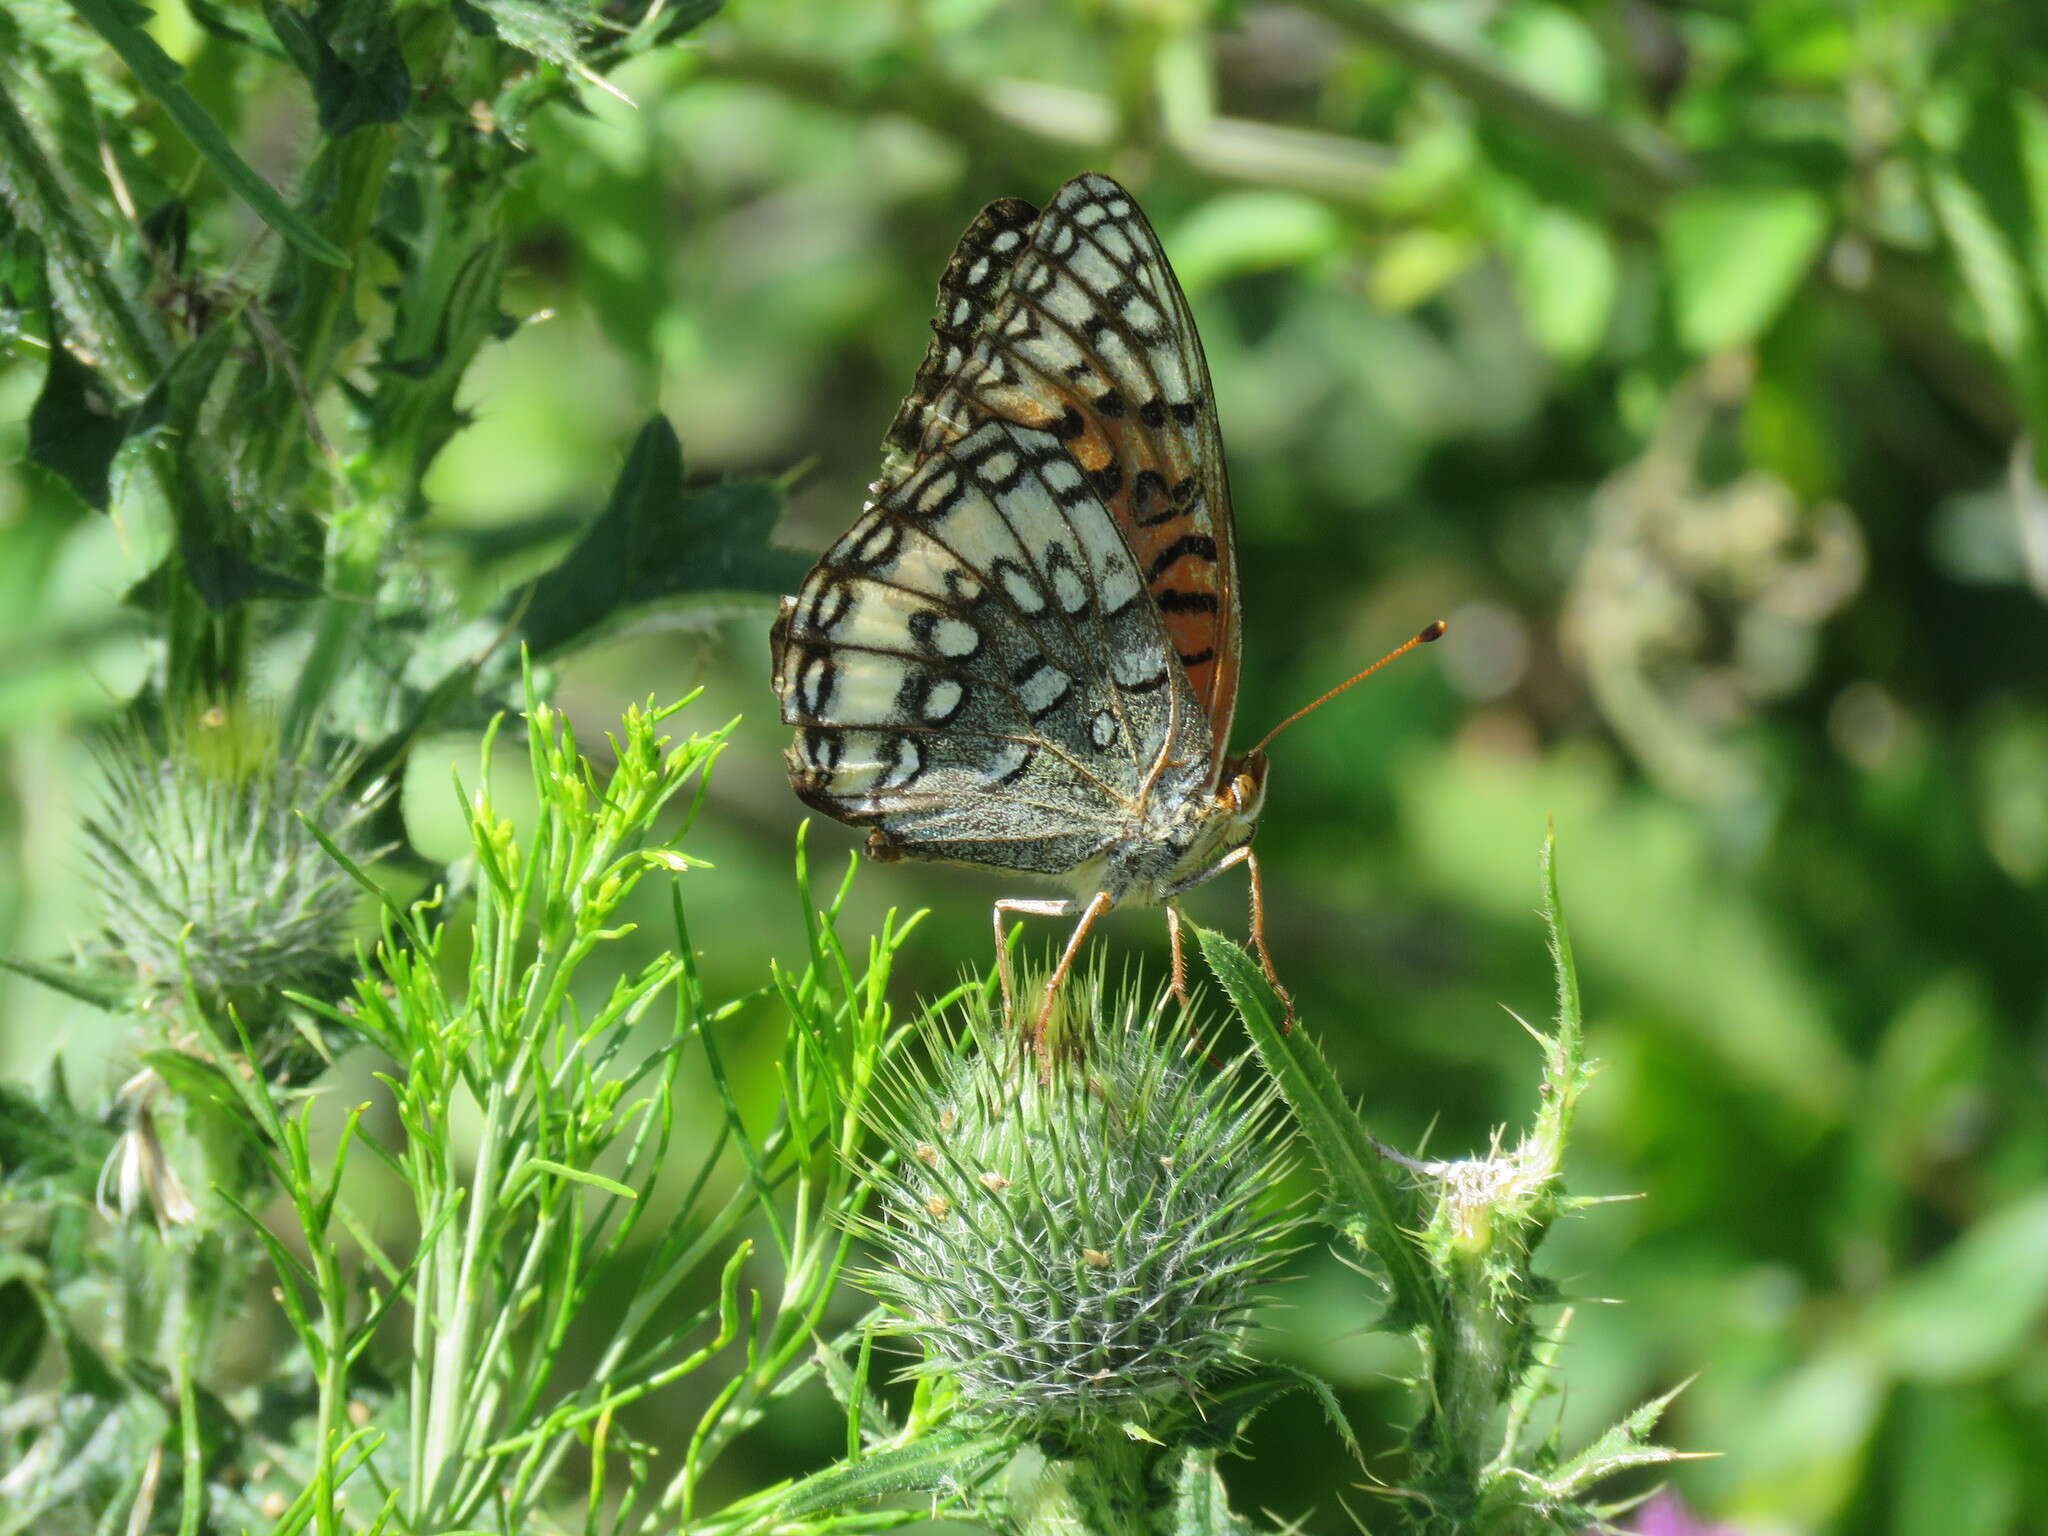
[(1107, 1490), (1643, 164), (1037, 126)]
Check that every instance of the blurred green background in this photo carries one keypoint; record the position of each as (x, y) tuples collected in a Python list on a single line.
[(1683, 356)]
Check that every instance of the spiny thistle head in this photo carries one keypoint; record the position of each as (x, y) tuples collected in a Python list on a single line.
[(206, 867), (1083, 1242)]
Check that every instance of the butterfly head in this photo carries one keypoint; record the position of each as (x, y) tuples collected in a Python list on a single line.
[(1242, 792), (1244, 784)]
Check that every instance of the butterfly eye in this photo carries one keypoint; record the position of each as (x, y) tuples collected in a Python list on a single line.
[(1244, 790)]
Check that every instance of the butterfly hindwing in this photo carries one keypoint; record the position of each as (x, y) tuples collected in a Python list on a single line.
[(975, 667), (1093, 342)]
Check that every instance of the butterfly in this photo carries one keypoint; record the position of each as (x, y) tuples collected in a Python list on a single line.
[(1024, 653)]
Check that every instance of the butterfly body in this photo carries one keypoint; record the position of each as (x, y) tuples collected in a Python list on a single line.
[(1023, 655)]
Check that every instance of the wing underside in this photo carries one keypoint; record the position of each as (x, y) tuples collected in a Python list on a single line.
[(980, 680)]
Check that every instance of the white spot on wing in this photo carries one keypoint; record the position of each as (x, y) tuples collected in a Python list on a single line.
[(1122, 365), (1068, 302), (1053, 353), (909, 759), (1045, 688), (1134, 668), (951, 637), (936, 489), (1093, 269), (1022, 590), (1116, 578), (860, 764), (943, 698), (1071, 591), (1008, 760), (1141, 314)]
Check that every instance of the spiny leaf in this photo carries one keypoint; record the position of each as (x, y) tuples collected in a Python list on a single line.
[(947, 1459), (77, 424), (43, 1137), (1359, 1186), (656, 541)]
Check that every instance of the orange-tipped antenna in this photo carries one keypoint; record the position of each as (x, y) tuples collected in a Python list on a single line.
[(1433, 632)]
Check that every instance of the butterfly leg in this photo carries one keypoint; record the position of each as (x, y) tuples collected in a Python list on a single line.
[(1250, 861), (1251, 864), (1180, 959), (1098, 904), (1049, 908)]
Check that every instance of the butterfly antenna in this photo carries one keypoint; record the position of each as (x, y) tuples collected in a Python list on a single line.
[(1434, 632)]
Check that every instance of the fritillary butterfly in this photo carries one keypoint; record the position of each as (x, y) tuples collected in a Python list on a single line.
[(1024, 653)]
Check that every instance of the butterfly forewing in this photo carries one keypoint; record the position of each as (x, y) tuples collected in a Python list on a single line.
[(973, 283), (976, 667), (1092, 341)]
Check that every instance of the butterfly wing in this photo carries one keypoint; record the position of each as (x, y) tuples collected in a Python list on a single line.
[(1091, 340), (972, 285), (976, 671)]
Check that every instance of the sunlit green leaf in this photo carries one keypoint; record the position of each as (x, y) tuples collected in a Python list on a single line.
[(1735, 256), (1976, 1305), (1251, 232), (1565, 276)]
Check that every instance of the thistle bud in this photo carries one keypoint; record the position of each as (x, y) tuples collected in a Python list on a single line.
[(207, 869), (1082, 1242)]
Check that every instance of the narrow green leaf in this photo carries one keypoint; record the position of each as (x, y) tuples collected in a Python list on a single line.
[(1566, 279), (22, 1331), (1989, 267), (1623, 1445), (195, 1081), (1238, 1405), (369, 85), (581, 1176), (210, 536), (1254, 231), (42, 1136), (1201, 1504), (158, 74)]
